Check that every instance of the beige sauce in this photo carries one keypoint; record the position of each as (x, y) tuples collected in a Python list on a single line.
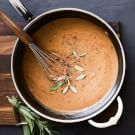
[(101, 59)]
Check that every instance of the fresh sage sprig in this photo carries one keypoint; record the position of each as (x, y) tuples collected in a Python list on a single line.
[(73, 89), (62, 80), (69, 86), (78, 68), (57, 86), (82, 76), (77, 56), (33, 124), (65, 89), (83, 54)]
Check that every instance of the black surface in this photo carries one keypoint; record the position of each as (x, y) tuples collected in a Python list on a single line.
[(122, 10)]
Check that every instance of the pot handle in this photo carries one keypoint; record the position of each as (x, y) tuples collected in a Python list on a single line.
[(113, 120), (22, 10)]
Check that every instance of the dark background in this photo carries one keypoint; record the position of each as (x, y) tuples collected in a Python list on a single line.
[(121, 10)]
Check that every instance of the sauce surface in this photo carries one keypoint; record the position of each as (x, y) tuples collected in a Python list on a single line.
[(63, 36)]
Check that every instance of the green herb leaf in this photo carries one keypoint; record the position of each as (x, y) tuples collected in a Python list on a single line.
[(26, 113), (26, 109), (47, 130), (65, 89), (83, 54), (75, 54), (81, 77), (78, 68), (30, 123), (26, 130), (12, 100), (57, 86), (35, 125), (35, 115), (73, 89)]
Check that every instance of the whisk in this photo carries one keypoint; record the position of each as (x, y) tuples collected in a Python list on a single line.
[(45, 59)]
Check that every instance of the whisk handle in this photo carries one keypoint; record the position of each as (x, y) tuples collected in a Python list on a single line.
[(24, 37)]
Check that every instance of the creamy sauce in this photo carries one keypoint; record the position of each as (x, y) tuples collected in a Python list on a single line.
[(63, 36)]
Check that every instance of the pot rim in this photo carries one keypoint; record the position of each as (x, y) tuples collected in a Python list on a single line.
[(114, 95)]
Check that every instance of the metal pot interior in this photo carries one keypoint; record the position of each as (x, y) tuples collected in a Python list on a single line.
[(21, 85)]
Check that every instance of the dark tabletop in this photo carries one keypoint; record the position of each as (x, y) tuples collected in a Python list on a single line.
[(121, 10)]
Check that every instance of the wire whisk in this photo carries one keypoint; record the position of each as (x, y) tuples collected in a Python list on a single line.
[(47, 60)]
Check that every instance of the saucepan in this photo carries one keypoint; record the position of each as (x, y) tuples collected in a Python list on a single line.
[(34, 23)]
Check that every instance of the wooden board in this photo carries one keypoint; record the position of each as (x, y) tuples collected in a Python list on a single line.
[(7, 40)]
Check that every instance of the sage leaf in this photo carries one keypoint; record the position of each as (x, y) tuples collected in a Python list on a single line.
[(65, 89), (26, 130), (33, 123), (81, 77), (35, 115), (78, 68), (73, 89), (47, 130), (57, 86), (12, 100), (75, 54), (30, 123), (26, 109), (83, 54), (26, 113)]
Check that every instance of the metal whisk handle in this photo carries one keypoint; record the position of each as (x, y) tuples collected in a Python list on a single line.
[(24, 37)]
